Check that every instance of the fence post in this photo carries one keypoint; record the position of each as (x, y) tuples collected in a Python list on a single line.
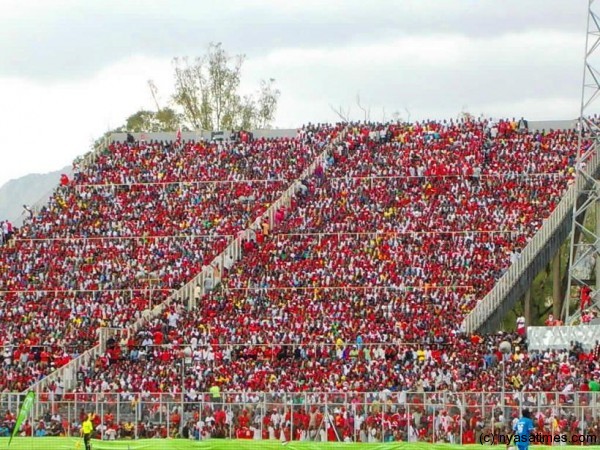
[(137, 413), (433, 418), (408, 421), (227, 416), (102, 419), (36, 408), (291, 418), (582, 431), (462, 417), (168, 416), (69, 430), (382, 403), (326, 417), (75, 418), (264, 414), (182, 413)]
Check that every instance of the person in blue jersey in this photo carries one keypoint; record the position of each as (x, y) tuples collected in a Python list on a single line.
[(523, 429)]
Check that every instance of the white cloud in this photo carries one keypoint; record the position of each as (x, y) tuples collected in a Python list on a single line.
[(433, 61), (46, 127), (435, 76)]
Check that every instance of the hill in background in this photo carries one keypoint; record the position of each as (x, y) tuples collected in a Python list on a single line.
[(26, 190)]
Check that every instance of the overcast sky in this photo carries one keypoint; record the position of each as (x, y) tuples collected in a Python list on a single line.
[(70, 70)]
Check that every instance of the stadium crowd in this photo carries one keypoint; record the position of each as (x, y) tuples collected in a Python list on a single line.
[(410, 226), (400, 259), (124, 233)]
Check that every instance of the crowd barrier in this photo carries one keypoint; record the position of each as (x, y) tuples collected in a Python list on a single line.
[(384, 416)]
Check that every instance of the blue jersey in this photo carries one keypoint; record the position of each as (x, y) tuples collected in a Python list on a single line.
[(523, 429)]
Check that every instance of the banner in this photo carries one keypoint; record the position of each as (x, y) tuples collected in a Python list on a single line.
[(23, 413)]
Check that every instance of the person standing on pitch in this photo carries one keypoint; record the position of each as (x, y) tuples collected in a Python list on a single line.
[(523, 429), (86, 431)]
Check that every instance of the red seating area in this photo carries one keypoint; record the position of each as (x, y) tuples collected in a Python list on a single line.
[(410, 227), (131, 228), (459, 401)]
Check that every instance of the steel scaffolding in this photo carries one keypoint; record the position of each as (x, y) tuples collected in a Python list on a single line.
[(585, 234)]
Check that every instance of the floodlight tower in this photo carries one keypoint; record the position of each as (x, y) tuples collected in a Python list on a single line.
[(585, 240)]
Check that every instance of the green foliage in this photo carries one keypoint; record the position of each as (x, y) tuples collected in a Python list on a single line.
[(207, 97), (149, 121), (208, 92), (267, 103)]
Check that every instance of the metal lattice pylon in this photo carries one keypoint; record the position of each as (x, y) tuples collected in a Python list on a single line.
[(585, 236)]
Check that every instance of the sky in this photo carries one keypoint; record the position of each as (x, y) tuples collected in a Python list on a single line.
[(71, 70)]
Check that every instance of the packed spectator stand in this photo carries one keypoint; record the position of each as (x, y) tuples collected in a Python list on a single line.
[(384, 260), (129, 229), (360, 286)]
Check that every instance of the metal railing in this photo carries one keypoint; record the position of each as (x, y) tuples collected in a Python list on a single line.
[(197, 286), (486, 307), (233, 252), (384, 416)]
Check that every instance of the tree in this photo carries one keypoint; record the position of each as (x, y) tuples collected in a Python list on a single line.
[(364, 110), (247, 113), (140, 121), (267, 103), (344, 115), (208, 93), (465, 115), (169, 120), (145, 121)]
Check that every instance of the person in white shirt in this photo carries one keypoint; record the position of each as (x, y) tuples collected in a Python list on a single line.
[(173, 318), (413, 435), (256, 434), (111, 434), (521, 325)]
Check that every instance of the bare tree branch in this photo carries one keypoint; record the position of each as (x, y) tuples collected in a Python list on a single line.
[(360, 106), (340, 113), (154, 93)]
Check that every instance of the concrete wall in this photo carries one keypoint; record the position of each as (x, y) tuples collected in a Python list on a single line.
[(552, 124), (197, 135), (291, 132)]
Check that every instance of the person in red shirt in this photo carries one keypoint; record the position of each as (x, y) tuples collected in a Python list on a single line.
[(244, 419), (585, 297), (220, 417)]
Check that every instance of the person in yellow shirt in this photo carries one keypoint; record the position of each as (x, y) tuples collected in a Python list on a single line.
[(215, 393), (555, 426), (86, 431)]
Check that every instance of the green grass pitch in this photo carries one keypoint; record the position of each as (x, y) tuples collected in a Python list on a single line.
[(54, 443)]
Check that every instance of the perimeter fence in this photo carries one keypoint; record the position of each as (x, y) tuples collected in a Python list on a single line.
[(385, 416)]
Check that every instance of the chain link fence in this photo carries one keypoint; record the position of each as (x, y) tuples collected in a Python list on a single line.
[(440, 417)]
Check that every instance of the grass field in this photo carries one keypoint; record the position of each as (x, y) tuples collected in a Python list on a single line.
[(180, 444)]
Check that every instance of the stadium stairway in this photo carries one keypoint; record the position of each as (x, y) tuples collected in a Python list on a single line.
[(510, 288), (189, 293)]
